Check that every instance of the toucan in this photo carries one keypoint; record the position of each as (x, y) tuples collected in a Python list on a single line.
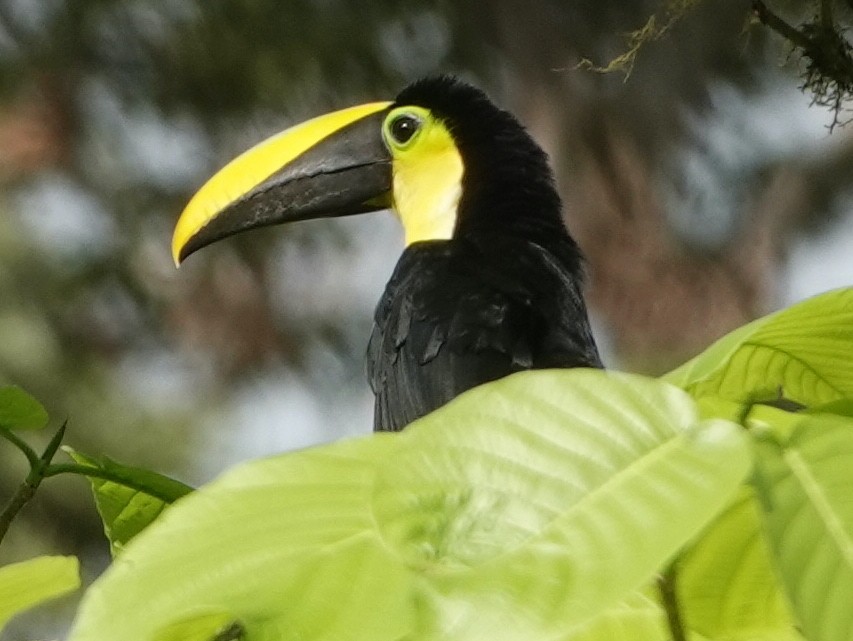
[(490, 281)]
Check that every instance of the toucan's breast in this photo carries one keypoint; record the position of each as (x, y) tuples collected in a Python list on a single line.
[(459, 313)]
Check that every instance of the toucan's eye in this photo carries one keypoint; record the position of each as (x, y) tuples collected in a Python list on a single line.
[(403, 127)]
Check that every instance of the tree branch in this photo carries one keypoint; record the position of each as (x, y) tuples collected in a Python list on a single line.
[(828, 71), (826, 19), (774, 22)]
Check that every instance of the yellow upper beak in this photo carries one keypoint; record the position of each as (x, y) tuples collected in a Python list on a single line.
[(254, 178)]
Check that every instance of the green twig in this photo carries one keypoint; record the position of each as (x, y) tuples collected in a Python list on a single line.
[(669, 599), (23, 494), (38, 468), (53, 446)]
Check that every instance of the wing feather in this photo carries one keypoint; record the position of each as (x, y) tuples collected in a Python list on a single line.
[(458, 314)]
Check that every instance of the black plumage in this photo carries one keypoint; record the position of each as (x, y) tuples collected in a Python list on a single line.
[(501, 296)]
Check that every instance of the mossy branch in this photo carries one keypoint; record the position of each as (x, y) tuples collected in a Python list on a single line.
[(828, 55), (656, 27)]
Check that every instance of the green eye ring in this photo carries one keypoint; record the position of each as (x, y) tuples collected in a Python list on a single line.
[(402, 128)]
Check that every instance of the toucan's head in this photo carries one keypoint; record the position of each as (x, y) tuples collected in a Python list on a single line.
[(439, 145)]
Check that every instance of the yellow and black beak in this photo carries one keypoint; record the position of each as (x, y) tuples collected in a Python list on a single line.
[(333, 165)]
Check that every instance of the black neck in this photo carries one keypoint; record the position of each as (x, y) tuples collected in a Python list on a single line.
[(508, 189)]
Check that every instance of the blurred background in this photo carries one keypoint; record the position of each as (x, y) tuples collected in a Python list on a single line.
[(704, 189)]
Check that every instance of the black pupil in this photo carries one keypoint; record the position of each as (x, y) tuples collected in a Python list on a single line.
[(404, 127)]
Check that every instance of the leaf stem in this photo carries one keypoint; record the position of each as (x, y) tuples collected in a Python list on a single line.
[(669, 599), (29, 452), (100, 473)]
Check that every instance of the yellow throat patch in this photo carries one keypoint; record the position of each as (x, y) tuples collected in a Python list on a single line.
[(427, 178)]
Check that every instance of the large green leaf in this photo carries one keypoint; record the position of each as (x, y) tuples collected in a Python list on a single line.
[(565, 490), (29, 583), (803, 352), (20, 411), (130, 503), (806, 479), (727, 586), (522, 509), (284, 545)]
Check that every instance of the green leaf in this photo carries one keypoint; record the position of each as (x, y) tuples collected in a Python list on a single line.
[(803, 351), (608, 473), (218, 626), (638, 617), (133, 501), (29, 583), (843, 407), (20, 411), (286, 544), (809, 519), (523, 508), (727, 585)]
